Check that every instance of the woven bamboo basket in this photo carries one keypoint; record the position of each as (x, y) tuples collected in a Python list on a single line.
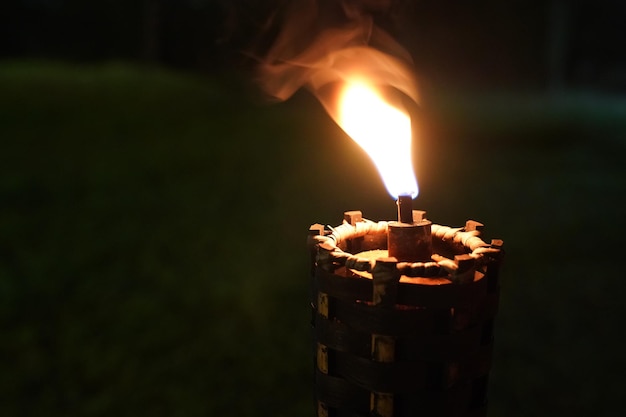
[(395, 339)]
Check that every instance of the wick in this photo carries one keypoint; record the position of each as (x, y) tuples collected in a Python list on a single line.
[(405, 209)]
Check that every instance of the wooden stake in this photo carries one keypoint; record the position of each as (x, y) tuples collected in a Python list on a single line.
[(322, 309), (386, 277), (472, 225), (493, 267), (315, 230), (322, 350), (466, 269), (352, 218)]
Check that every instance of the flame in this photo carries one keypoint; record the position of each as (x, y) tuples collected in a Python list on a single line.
[(384, 133), (337, 51)]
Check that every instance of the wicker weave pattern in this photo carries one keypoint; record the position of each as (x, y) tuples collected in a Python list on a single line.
[(440, 335)]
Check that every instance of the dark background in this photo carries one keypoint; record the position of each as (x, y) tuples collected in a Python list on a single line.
[(487, 44), (154, 207)]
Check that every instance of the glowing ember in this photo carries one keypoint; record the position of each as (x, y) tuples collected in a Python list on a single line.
[(383, 131)]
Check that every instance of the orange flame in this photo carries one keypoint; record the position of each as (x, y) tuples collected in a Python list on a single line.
[(354, 56), (383, 131)]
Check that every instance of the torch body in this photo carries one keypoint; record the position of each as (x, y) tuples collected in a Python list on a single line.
[(402, 337)]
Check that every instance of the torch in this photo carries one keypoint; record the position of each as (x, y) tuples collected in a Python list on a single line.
[(402, 310)]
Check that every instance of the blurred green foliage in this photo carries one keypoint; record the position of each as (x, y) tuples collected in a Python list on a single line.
[(152, 240)]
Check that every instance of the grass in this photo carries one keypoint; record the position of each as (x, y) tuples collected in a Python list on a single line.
[(152, 257)]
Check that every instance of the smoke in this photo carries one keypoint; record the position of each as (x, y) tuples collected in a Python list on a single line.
[(319, 44)]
